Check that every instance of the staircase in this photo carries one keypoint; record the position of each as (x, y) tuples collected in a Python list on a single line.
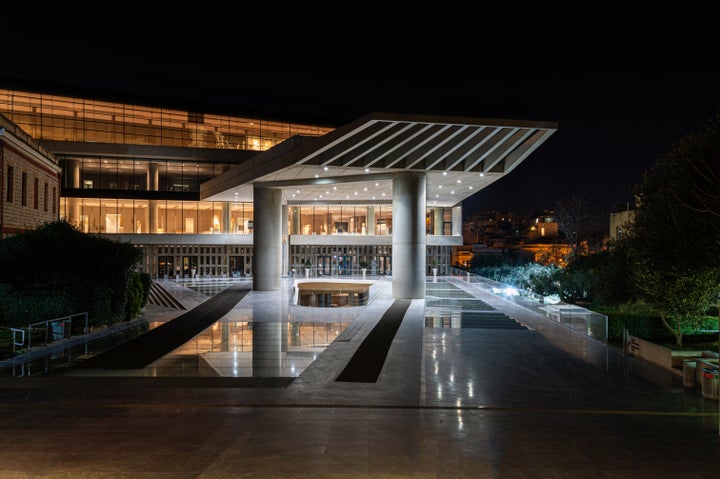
[(159, 296)]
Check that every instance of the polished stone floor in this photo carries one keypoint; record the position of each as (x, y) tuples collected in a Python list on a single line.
[(536, 401)]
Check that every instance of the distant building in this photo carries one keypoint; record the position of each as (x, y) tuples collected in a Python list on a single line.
[(531, 236), (30, 182), (544, 226), (620, 220)]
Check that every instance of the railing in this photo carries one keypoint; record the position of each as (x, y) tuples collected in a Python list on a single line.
[(10, 339), (54, 330), (572, 316), (41, 334)]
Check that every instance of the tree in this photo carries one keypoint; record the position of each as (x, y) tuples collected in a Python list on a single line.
[(674, 241), (57, 270), (575, 221), (694, 164)]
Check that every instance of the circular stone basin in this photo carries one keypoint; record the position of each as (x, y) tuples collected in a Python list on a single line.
[(332, 294)]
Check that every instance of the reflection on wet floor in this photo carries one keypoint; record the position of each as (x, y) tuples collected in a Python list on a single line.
[(447, 306), (247, 349), (259, 339), (251, 341)]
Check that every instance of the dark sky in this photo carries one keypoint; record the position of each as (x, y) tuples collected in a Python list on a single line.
[(619, 105)]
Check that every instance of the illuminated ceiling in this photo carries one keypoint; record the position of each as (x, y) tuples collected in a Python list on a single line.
[(356, 162)]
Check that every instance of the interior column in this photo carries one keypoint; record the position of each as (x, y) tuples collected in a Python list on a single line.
[(438, 221), (457, 221), (152, 181)]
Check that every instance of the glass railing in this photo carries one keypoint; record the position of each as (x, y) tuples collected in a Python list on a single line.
[(575, 317)]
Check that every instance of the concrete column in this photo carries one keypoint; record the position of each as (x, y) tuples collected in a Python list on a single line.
[(457, 220), (371, 220), (437, 221), (146, 219), (296, 228), (408, 239), (152, 180), (74, 170), (153, 216), (226, 217), (152, 177), (74, 210), (285, 240), (267, 239)]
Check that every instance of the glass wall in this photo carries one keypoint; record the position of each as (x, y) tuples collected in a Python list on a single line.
[(128, 216), (137, 175), (329, 219), (124, 216), (53, 117)]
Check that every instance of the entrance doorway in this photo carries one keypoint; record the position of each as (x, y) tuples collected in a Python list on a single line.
[(165, 266), (335, 265), (384, 264), (237, 266), (190, 265)]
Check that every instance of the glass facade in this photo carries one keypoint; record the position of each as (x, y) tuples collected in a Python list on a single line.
[(142, 194), (53, 117)]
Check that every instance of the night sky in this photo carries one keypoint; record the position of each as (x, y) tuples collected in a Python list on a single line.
[(619, 106)]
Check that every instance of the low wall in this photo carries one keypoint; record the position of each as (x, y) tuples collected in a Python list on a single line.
[(665, 357)]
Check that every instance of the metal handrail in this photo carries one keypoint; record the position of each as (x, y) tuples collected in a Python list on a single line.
[(59, 321)]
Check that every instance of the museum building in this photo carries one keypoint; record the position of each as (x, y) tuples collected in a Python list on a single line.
[(213, 195)]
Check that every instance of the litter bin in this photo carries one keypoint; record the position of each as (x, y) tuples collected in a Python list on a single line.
[(689, 373), (710, 383)]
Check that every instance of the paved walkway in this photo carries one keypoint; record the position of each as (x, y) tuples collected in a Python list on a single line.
[(537, 401)]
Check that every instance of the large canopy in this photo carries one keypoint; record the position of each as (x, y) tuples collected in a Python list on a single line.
[(356, 162)]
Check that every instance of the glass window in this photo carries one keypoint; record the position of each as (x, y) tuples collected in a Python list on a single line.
[(10, 184), (36, 193), (108, 174), (23, 190)]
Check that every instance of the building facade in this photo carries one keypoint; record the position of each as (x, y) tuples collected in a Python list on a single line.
[(29, 181), (189, 187)]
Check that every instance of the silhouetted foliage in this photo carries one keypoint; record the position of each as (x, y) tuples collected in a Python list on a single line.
[(57, 270), (674, 241)]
